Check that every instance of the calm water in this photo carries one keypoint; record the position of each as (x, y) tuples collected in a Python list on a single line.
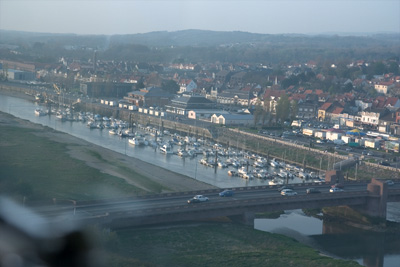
[(189, 166), (369, 249), (338, 240)]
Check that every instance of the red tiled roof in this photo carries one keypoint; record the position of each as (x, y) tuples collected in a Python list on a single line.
[(298, 97), (391, 101), (337, 110), (325, 106), (275, 93), (318, 91), (386, 83)]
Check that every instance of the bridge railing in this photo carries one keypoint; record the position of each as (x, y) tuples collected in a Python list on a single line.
[(190, 194), (237, 204)]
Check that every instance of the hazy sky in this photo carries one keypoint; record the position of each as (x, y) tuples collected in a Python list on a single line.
[(257, 16)]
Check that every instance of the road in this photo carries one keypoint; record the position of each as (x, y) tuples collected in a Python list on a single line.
[(166, 201)]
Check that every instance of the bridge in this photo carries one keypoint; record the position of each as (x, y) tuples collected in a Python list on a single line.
[(368, 198)]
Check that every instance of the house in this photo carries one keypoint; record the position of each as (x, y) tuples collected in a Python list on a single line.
[(330, 111), (149, 97), (232, 119), (363, 104), (322, 111), (306, 110), (272, 96), (371, 116), (384, 87), (386, 121), (234, 97), (187, 86)]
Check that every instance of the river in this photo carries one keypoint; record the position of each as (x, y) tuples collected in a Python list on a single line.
[(368, 249)]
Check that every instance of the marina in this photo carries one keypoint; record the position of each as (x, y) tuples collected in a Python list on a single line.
[(203, 160)]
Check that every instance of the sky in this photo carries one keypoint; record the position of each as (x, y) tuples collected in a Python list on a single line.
[(256, 16)]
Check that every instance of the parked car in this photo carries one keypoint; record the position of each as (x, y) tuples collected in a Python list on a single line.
[(226, 193), (335, 189), (288, 192), (389, 182), (198, 198), (312, 191), (285, 187)]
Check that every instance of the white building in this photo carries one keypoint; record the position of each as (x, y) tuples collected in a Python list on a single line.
[(187, 86), (383, 87), (232, 119)]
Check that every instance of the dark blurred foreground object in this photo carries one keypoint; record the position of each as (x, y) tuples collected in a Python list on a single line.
[(27, 239)]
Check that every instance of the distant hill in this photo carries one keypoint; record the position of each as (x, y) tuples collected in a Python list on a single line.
[(215, 38), (202, 38), (194, 46)]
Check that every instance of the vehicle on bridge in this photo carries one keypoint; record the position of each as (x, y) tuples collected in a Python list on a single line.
[(288, 192), (226, 193), (312, 191), (285, 187), (198, 198), (335, 189)]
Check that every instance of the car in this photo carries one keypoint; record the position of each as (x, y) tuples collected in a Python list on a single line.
[(370, 153), (285, 187), (364, 152), (384, 163), (226, 193), (349, 149), (312, 191), (198, 198), (389, 182), (335, 189), (288, 192)]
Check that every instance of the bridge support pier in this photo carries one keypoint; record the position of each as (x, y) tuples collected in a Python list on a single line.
[(377, 203), (246, 218)]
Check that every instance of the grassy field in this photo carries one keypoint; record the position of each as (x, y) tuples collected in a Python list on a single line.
[(37, 168), (213, 244), (34, 167)]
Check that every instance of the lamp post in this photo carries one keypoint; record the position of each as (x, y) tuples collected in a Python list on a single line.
[(195, 171)]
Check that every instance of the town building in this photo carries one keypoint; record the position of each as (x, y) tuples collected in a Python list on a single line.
[(232, 119), (149, 97), (182, 104)]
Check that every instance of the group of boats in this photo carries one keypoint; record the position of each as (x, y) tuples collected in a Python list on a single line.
[(239, 163)]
